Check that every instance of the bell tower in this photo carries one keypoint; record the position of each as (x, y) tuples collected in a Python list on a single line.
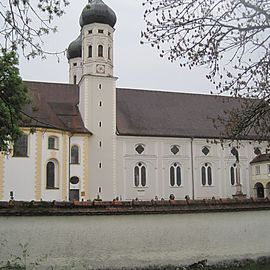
[(92, 54)]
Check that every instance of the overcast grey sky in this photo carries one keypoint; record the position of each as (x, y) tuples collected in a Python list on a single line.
[(136, 65)]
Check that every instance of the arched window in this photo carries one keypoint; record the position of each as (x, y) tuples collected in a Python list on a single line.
[(109, 53), (233, 173), (100, 51), (51, 175), (74, 154), (140, 175), (259, 190), (90, 51), (206, 175), (175, 175)]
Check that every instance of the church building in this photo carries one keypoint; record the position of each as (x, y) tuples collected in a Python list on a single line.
[(92, 140)]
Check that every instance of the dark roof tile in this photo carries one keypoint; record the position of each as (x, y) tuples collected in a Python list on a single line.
[(54, 105), (169, 114)]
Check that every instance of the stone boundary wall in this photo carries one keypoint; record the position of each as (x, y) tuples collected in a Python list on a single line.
[(54, 208)]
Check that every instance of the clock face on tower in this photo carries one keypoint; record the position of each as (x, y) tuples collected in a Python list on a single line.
[(100, 69)]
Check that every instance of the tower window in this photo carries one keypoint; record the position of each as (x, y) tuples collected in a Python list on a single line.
[(100, 31), (109, 53), (74, 79), (90, 51), (100, 86), (258, 170), (100, 51), (109, 34), (90, 31), (99, 124), (74, 64), (100, 104)]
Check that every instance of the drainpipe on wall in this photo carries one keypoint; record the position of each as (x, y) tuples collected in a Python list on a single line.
[(192, 169)]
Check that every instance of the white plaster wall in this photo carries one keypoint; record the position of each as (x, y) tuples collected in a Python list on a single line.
[(135, 241), (19, 174), (158, 159)]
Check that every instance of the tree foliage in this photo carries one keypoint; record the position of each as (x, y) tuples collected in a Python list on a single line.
[(231, 38), (13, 96), (23, 23)]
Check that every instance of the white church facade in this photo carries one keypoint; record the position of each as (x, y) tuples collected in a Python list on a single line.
[(92, 140)]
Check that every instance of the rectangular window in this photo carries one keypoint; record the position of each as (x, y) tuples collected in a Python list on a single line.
[(100, 31), (90, 31), (258, 170), (53, 143), (20, 148), (268, 169)]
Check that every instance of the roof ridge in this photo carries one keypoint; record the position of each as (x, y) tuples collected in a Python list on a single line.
[(175, 92)]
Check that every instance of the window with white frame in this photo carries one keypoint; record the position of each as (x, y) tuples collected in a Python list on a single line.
[(53, 143), (233, 173), (175, 175), (74, 154), (140, 175), (257, 169), (90, 51), (175, 149), (206, 175), (51, 174), (139, 148), (100, 51)]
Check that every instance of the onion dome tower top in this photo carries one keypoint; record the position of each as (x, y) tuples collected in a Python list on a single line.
[(97, 12), (75, 48)]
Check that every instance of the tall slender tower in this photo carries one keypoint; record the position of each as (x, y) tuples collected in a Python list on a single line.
[(91, 66)]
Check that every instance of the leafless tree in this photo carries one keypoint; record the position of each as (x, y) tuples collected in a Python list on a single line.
[(231, 38), (23, 23)]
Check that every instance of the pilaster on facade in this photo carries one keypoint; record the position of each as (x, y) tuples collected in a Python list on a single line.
[(38, 165), (65, 160), (85, 155), (2, 175)]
